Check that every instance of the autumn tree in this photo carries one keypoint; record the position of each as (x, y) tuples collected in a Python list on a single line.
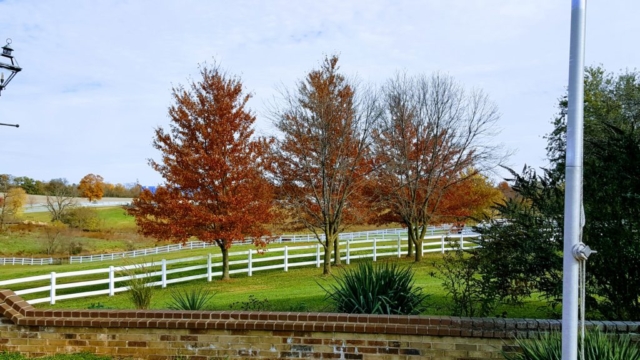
[(432, 130), (11, 204), (320, 162), (91, 187), (475, 198), (212, 166), (60, 198)]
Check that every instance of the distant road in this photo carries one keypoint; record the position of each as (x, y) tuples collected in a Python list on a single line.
[(36, 203)]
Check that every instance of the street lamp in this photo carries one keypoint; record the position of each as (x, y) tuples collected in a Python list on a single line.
[(14, 68)]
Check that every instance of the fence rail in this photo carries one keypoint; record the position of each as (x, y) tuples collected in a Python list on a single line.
[(432, 230), (27, 261), (111, 280)]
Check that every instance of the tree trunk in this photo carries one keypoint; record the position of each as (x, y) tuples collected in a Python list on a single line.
[(225, 261), (337, 261), (409, 244), (418, 255), (327, 257), (410, 239)]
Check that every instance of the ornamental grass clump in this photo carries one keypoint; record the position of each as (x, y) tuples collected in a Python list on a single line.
[(192, 299), (382, 289), (140, 287), (597, 346)]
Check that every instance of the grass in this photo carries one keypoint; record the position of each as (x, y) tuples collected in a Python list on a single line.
[(295, 290)]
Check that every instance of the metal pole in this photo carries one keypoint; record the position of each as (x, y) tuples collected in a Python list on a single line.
[(14, 125), (573, 188)]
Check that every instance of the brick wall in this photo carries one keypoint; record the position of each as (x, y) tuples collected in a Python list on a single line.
[(260, 335)]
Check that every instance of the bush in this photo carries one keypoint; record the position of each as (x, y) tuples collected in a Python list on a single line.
[(83, 218), (381, 289), (597, 346), (193, 299), (469, 294)]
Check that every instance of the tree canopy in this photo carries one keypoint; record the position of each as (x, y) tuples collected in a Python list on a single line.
[(212, 166), (431, 132), (529, 245), (320, 163)]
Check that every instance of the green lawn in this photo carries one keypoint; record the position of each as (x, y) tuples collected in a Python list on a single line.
[(296, 290)]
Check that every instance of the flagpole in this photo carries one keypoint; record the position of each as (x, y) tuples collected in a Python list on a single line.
[(573, 188)]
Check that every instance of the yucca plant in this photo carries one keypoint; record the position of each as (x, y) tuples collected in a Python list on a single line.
[(381, 289), (193, 299), (597, 346)]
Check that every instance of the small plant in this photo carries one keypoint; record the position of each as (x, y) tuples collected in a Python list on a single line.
[(96, 306), (140, 289), (253, 304), (383, 289), (597, 346), (461, 280), (192, 299)]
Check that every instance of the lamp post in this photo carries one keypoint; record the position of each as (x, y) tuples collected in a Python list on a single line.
[(13, 68)]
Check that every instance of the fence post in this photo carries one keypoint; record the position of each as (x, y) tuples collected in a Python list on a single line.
[(164, 273), (317, 255), (348, 252), (461, 242), (442, 244), (399, 246), (111, 280), (374, 249), (209, 268), (52, 292), (286, 258), (249, 269)]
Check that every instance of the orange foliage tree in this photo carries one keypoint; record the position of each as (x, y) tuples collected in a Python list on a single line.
[(92, 187), (473, 198), (431, 131), (214, 187), (320, 162)]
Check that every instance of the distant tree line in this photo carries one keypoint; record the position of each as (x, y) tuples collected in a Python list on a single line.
[(39, 187)]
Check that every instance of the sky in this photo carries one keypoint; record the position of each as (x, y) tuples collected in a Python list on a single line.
[(97, 75)]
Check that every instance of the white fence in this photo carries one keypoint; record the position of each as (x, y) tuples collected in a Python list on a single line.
[(27, 261), (432, 230), (111, 280)]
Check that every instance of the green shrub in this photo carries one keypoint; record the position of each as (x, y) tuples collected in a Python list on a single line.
[(84, 218), (597, 346), (192, 299), (380, 289), (459, 271)]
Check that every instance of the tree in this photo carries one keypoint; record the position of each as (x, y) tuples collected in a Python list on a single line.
[(474, 198), (60, 198), (91, 187), (524, 255), (27, 183), (11, 204), (212, 166), (612, 211), (432, 130), (52, 236), (320, 162)]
